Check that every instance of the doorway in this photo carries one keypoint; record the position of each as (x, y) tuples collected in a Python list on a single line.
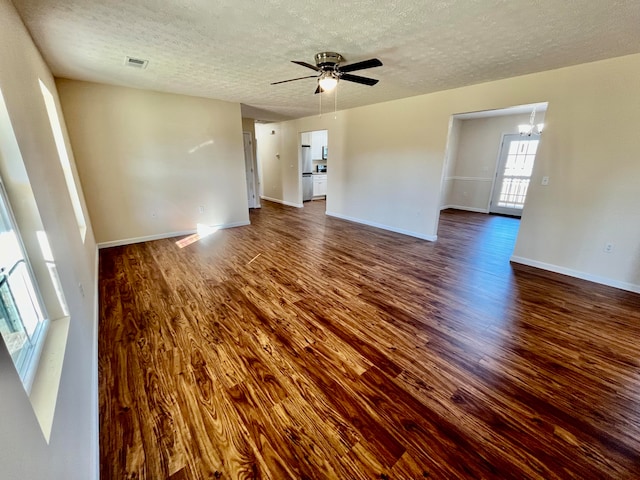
[(513, 174), (488, 162), (313, 165)]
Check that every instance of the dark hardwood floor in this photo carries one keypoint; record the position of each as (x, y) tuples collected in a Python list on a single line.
[(308, 347)]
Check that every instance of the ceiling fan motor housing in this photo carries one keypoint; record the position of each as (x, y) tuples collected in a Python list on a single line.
[(328, 60)]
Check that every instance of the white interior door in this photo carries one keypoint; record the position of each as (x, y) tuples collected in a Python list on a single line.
[(251, 172), (515, 165)]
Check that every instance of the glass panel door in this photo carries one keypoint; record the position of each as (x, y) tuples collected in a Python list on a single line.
[(517, 157)]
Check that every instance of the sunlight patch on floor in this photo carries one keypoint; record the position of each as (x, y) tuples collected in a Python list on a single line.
[(203, 231)]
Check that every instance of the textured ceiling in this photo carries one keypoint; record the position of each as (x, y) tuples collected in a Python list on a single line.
[(233, 49)]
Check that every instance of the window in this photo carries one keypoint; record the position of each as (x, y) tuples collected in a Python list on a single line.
[(34, 318), (22, 315)]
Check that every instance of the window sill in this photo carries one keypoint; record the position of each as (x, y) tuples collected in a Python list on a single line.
[(44, 391)]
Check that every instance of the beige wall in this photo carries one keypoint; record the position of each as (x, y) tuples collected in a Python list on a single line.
[(387, 165), (450, 159), (267, 146), (279, 172), (24, 453), (472, 169), (149, 160)]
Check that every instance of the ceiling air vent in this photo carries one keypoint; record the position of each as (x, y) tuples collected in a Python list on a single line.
[(136, 62)]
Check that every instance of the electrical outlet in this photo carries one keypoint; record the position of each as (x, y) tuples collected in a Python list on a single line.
[(608, 247), (201, 209), (81, 288)]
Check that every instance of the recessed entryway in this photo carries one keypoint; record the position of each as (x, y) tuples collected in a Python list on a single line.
[(489, 163)]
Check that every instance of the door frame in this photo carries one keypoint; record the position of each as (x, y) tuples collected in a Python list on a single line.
[(254, 174)]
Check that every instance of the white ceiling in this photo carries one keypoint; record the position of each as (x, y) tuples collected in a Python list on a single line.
[(233, 49)]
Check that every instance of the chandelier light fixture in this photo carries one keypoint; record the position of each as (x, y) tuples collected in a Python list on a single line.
[(528, 129)]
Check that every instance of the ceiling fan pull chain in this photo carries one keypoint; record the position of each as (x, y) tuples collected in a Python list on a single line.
[(320, 98), (335, 103)]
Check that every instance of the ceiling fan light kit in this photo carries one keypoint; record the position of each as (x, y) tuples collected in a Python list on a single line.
[(327, 81), (330, 72)]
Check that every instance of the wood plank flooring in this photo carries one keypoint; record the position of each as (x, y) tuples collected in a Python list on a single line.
[(307, 347)]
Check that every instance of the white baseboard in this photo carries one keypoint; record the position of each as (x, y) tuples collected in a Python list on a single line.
[(430, 238), (468, 209), (283, 202), (160, 236), (631, 287)]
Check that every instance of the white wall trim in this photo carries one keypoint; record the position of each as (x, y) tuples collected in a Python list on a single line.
[(631, 287), (148, 238), (283, 202), (160, 236), (430, 238), (468, 209), (95, 387), (471, 179)]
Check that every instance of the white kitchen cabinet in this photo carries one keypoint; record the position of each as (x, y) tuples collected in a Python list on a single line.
[(319, 185), (318, 140), (306, 138)]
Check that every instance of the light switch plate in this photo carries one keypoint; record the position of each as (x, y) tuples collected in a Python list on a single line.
[(545, 180)]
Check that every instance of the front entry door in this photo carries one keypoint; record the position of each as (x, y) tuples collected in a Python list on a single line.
[(515, 166)]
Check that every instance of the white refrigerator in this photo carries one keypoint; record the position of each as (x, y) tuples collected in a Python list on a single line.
[(307, 174)]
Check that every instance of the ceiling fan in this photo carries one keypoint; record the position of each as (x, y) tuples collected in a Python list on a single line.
[(329, 71)]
